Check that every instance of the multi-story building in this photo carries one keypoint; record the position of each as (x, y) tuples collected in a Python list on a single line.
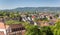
[(14, 29)]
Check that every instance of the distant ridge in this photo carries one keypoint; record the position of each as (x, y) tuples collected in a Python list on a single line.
[(34, 9)]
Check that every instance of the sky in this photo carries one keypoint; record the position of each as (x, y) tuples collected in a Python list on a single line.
[(11, 4)]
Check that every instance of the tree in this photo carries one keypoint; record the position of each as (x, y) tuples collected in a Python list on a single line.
[(33, 30), (12, 22), (56, 15), (46, 30), (56, 28)]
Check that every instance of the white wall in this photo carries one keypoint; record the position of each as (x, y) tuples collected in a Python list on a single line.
[(4, 30)]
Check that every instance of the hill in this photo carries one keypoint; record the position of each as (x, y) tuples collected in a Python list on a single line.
[(34, 9)]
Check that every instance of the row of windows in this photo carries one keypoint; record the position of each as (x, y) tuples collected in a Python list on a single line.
[(17, 29)]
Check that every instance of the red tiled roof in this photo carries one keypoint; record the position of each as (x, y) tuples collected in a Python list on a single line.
[(16, 26), (2, 26)]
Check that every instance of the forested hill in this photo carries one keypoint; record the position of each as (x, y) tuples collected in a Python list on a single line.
[(34, 9)]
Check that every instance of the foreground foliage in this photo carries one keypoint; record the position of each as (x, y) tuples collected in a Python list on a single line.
[(37, 30)]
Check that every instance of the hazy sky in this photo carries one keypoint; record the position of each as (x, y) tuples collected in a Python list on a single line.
[(9, 4)]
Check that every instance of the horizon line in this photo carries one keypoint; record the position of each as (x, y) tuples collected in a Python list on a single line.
[(22, 7)]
